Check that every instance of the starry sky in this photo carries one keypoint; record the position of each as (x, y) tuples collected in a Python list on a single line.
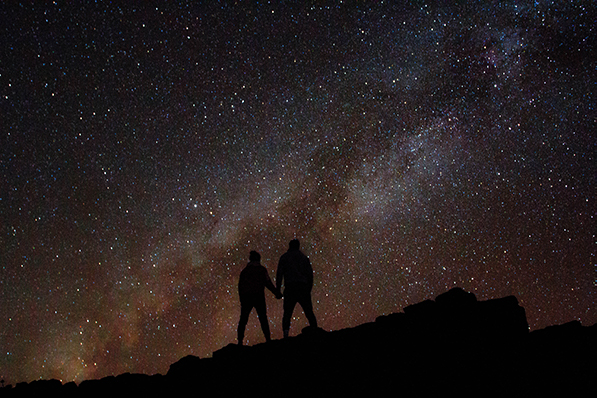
[(412, 147)]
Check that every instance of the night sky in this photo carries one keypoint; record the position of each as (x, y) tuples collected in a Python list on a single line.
[(145, 149)]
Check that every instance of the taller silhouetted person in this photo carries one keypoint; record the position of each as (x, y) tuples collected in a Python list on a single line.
[(251, 290), (294, 268)]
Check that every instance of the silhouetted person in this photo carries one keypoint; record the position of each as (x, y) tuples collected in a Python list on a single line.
[(251, 290), (294, 268)]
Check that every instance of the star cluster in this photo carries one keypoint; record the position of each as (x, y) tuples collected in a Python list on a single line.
[(411, 147)]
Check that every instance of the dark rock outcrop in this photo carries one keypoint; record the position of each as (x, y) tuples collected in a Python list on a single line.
[(453, 344)]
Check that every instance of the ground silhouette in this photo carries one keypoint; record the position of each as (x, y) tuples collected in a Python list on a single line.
[(453, 344)]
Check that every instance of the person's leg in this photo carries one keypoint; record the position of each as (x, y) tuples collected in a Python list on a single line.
[(245, 310), (289, 303), (307, 305), (262, 314)]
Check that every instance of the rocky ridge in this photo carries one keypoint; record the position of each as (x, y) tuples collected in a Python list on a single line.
[(453, 344)]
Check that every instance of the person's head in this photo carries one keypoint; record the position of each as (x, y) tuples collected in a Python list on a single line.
[(254, 256), (294, 245)]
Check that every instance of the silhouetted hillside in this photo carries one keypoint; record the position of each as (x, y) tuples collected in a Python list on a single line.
[(454, 344)]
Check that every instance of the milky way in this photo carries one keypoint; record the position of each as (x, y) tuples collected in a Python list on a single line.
[(146, 149)]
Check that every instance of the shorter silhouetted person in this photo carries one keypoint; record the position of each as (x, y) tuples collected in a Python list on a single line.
[(294, 269), (251, 290)]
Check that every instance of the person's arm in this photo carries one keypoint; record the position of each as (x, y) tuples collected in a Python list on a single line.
[(268, 282), (279, 275), (241, 282)]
